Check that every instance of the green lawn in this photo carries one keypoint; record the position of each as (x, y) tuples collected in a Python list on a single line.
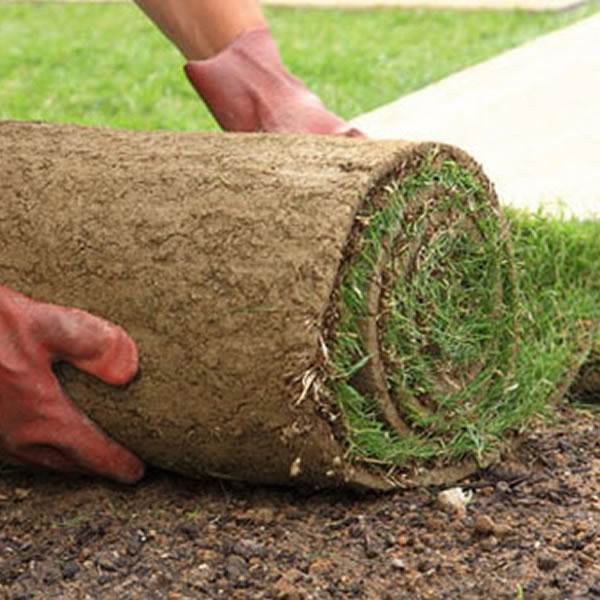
[(108, 65)]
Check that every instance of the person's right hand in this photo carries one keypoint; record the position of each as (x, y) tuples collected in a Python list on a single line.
[(39, 425), (247, 88)]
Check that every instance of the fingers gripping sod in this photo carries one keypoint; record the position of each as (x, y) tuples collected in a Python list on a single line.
[(39, 425), (87, 342)]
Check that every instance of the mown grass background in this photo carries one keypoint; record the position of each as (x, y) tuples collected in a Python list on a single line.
[(107, 65)]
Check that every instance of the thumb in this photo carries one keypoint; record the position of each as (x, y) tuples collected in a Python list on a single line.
[(88, 342), (67, 440), (81, 440)]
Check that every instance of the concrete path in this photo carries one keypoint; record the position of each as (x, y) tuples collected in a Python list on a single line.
[(530, 116), (529, 5)]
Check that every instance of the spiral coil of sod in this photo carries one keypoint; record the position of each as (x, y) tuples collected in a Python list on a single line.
[(425, 332)]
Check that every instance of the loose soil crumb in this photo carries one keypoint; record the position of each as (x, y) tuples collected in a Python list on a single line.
[(530, 531)]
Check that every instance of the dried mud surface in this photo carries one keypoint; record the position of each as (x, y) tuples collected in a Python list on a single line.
[(531, 530)]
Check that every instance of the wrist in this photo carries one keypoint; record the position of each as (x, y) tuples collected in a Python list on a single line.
[(233, 83)]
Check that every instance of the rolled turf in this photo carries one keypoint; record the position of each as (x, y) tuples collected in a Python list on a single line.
[(309, 310)]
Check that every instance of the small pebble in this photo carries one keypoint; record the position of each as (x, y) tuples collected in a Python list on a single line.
[(484, 524), (453, 501), (199, 576), (22, 493), (236, 568), (546, 562), (189, 529), (502, 530), (249, 548), (109, 560), (136, 541), (70, 569), (434, 524), (503, 486), (489, 543)]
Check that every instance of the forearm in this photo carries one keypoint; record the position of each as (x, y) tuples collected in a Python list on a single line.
[(202, 28), (235, 66)]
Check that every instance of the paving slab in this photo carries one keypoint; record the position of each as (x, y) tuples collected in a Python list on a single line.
[(530, 116), (528, 5)]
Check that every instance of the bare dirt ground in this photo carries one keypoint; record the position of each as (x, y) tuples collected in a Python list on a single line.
[(531, 530)]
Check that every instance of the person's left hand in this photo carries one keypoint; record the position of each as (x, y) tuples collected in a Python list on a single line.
[(39, 425)]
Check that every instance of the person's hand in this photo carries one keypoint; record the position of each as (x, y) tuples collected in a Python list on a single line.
[(247, 88), (39, 425)]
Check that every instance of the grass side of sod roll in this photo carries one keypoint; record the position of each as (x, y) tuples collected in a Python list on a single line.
[(479, 336)]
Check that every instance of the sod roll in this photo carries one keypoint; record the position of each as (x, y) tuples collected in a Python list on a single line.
[(309, 310)]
